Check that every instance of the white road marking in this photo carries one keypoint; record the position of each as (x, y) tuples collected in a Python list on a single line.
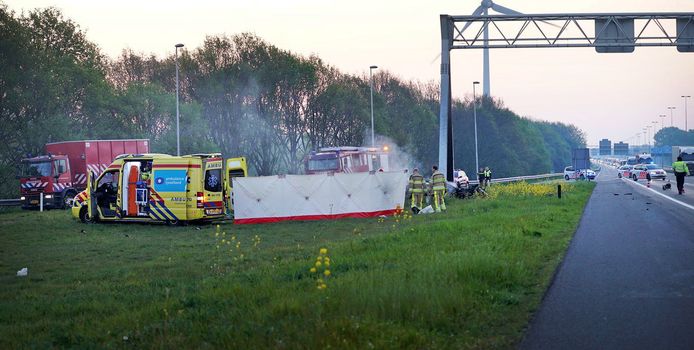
[(660, 194)]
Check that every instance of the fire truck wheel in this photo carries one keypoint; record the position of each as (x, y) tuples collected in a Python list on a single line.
[(84, 215), (68, 197)]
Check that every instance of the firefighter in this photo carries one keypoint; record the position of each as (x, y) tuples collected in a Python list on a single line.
[(438, 187), (417, 190), (680, 169)]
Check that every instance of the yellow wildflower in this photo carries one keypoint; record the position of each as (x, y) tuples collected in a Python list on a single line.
[(326, 273), (324, 251), (313, 270), (327, 264), (320, 258), (318, 264)]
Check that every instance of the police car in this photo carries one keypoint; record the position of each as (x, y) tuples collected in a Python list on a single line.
[(578, 174), (624, 171), (647, 172)]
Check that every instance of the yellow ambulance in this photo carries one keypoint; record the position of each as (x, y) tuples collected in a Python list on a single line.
[(156, 187)]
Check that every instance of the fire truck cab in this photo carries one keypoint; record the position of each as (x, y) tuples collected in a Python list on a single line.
[(155, 187), (48, 175), (348, 159)]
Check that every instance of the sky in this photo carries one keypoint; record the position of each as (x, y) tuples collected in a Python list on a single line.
[(610, 96)]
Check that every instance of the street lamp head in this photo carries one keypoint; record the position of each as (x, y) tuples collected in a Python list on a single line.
[(179, 45), (373, 67), (475, 82)]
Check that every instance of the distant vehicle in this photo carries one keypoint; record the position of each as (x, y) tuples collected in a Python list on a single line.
[(581, 174), (687, 154), (648, 172), (624, 171), (62, 172), (632, 161), (460, 177), (348, 160), (644, 158), (622, 162)]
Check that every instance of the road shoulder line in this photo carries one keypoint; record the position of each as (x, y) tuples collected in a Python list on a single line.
[(660, 194)]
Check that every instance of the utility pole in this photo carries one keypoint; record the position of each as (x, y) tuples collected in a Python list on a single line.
[(178, 116), (686, 127), (371, 83), (671, 120), (474, 109)]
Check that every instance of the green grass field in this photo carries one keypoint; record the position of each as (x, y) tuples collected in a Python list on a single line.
[(468, 278)]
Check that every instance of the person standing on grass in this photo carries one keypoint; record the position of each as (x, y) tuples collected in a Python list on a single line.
[(681, 170), (487, 176), (438, 186), (480, 177), (417, 189)]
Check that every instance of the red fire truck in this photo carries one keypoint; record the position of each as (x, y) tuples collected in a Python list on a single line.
[(348, 159), (62, 173)]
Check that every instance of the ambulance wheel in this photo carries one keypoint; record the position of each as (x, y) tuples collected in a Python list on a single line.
[(175, 223), (566, 177), (84, 215), (68, 198), (619, 175)]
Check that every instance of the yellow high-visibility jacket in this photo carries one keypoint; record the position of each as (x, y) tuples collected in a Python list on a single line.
[(680, 167)]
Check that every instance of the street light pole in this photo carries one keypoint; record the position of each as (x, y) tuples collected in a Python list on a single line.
[(685, 97), (662, 121), (371, 83), (178, 116), (671, 120), (474, 112), (655, 127)]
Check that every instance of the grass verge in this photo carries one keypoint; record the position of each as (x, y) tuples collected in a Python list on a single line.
[(468, 278)]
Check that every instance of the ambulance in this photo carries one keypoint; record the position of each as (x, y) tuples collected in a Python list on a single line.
[(157, 188)]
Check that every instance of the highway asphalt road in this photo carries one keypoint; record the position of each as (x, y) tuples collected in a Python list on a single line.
[(627, 280)]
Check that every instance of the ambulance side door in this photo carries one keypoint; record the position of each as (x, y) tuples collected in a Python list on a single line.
[(168, 196), (235, 167)]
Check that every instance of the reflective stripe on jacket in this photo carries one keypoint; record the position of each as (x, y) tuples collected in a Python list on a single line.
[(416, 183), (680, 167), (438, 181)]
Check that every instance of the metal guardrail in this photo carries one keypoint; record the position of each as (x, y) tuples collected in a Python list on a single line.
[(10, 202), (522, 178)]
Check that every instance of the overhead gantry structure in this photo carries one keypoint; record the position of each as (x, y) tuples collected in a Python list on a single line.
[(606, 32)]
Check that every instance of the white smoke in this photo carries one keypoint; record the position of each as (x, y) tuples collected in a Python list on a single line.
[(398, 158)]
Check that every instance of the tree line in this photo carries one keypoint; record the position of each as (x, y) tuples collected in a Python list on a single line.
[(672, 136), (240, 95)]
